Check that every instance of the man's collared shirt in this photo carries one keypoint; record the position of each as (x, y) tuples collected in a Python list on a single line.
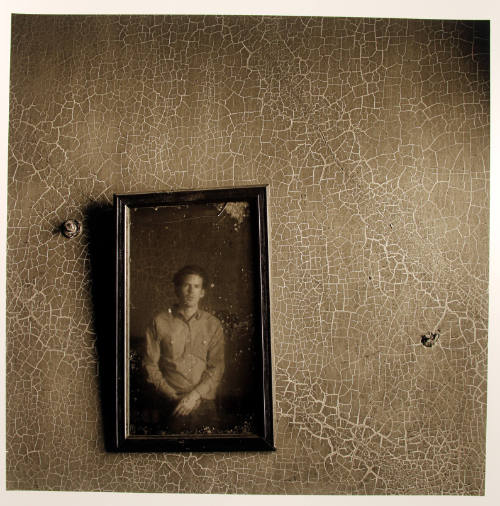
[(184, 355)]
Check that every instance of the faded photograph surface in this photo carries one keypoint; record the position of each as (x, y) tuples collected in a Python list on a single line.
[(193, 357)]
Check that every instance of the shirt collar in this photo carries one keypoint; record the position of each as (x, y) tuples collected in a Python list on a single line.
[(176, 312)]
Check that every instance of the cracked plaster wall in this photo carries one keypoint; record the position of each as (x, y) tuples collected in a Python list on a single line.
[(373, 136)]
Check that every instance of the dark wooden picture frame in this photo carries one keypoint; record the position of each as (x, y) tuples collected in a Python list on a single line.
[(157, 235)]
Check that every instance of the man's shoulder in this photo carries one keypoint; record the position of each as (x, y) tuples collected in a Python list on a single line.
[(170, 314), (166, 314), (209, 317)]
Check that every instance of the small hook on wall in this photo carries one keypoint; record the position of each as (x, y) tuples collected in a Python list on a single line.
[(71, 228)]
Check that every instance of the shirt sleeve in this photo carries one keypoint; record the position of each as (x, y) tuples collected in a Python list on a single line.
[(151, 359), (212, 375)]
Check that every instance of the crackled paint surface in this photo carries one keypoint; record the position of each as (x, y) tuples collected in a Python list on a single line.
[(373, 138)]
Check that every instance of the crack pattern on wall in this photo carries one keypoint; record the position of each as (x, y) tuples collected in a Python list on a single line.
[(373, 136)]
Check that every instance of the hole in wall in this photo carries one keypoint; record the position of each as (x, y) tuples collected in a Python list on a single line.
[(430, 339)]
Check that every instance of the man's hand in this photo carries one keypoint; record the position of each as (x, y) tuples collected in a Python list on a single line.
[(188, 404)]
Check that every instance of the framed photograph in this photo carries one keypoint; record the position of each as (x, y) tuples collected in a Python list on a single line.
[(193, 352)]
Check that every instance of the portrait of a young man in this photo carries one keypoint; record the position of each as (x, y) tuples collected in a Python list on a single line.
[(196, 351), (184, 359)]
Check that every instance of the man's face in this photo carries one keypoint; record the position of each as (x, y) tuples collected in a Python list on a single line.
[(190, 291)]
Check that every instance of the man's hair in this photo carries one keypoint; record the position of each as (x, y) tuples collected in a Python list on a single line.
[(181, 274)]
